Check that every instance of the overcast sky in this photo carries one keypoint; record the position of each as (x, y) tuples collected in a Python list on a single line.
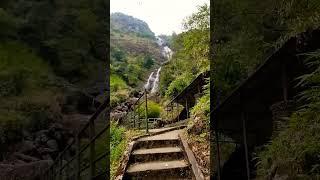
[(162, 16)]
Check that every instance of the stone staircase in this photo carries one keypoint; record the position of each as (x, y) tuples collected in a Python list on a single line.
[(158, 157)]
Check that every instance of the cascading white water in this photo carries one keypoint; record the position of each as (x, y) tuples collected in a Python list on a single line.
[(156, 82), (149, 82), (153, 83), (167, 52)]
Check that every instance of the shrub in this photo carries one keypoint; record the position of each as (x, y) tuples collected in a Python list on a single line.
[(202, 108), (154, 110), (116, 83), (295, 151), (12, 83), (178, 85)]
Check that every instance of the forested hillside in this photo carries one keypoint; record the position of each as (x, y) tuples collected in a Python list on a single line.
[(245, 33), (191, 58), (52, 63), (134, 53)]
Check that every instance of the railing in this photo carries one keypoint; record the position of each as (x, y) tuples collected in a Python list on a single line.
[(137, 115), (87, 156)]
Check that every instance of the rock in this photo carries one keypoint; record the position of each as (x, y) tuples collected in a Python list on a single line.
[(56, 126), (46, 157), (27, 171), (27, 135), (43, 151), (25, 158), (27, 146), (41, 137), (52, 144), (57, 135), (117, 116)]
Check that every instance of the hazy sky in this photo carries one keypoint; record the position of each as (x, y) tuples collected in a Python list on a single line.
[(162, 16)]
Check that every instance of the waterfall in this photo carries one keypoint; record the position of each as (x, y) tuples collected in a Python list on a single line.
[(153, 83), (149, 82), (156, 82), (167, 52)]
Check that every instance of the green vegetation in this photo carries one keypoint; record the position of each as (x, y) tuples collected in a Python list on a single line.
[(44, 44), (154, 109), (24, 92), (134, 53), (295, 151), (119, 139), (191, 58), (191, 54), (245, 33)]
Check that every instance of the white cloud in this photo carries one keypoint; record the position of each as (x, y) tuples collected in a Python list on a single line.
[(162, 16)]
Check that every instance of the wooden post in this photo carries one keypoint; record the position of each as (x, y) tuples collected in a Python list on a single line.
[(244, 131), (92, 149), (146, 96), (78, 156)]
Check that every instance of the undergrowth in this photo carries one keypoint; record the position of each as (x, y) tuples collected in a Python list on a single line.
[(295, 152)]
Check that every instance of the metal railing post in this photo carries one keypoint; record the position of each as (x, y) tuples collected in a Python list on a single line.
[(178, 112), (244, 131), (134, 116), (146, 96), (218, 153), (139, 119), (187, 110), (171, 111), (59, 167), (78, 156), (92, 149)]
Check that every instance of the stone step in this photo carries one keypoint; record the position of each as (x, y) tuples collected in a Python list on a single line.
[(156, 143), (153, 154), (152, 170), (168, 139)]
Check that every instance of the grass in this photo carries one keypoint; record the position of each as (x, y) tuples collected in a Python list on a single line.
[(119, 139), (119, 90), (116, 83)]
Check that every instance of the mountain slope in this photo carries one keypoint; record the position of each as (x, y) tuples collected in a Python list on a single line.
[(134, 53)]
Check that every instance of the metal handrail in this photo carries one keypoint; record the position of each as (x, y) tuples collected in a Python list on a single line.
[(57, 167)]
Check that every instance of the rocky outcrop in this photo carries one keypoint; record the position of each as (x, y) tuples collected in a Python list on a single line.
[(119, 112), (40, 145)]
